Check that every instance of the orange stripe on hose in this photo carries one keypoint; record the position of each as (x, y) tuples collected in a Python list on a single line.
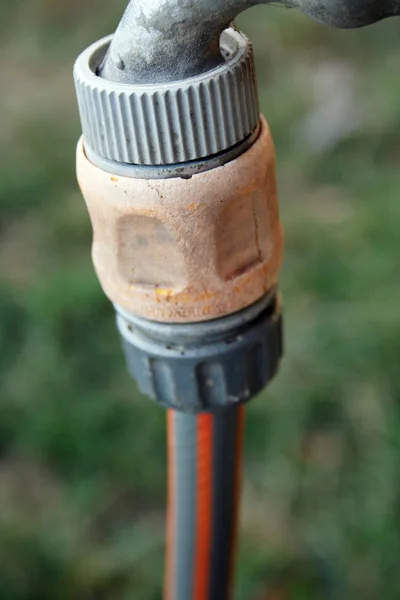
[(202, 567), (169, 591), (237, 493)]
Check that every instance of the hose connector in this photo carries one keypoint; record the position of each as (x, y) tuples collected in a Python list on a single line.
[(179, 180)]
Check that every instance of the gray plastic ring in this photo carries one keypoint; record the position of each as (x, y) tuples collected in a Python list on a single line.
[(173, 122), (205, 366)]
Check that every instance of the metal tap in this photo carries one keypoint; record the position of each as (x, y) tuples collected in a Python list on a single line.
[(167, 40)]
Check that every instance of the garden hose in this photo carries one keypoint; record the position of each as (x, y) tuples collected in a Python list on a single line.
[(177, 169), (205, 453)]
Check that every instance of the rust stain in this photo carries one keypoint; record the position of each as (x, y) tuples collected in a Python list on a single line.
[(149, 212), (189, 297), (248, 189), (164, 293)]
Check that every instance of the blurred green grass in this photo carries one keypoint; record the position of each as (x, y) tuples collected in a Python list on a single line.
[(82, 458)]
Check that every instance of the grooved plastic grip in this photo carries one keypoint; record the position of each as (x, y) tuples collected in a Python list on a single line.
[(205, 366), (172, 122)]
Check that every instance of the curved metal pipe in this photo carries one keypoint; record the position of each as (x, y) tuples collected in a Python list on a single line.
[(169, 40), (348, 14)]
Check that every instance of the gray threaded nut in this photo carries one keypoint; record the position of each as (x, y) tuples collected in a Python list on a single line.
[(205, 366), (172, 122)]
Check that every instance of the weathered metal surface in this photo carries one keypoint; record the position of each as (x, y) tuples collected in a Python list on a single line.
[(170, 40), (348, 13)]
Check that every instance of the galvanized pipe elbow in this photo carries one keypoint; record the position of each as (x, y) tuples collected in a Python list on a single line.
[(159, 41)]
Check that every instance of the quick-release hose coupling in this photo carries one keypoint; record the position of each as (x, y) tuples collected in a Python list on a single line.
[(179, 180)]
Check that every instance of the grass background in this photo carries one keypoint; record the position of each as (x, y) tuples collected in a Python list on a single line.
[(82, 459)]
